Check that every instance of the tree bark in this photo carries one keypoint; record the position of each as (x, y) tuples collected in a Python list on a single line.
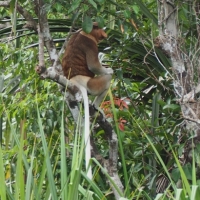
[(185, 88)]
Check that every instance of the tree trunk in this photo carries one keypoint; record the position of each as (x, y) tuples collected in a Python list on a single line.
[(183, 72)]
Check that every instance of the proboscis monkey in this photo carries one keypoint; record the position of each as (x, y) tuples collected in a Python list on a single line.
[(80, 64)]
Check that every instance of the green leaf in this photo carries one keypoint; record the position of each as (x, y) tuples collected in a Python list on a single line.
[(100, 1), (2, 178), (21, 1), (12, 5), (127, 14), (188, 171), (180, 194), (87, 24), (146, 12), (92, 3), (136, 9), (100, 22), (175, 174), (85, 8), (158, 196), (47, 158), (155, 111), (119, 73), (128, 82), (74, 6), (58, 7), (195, 192), (171, 106), (63, 159)]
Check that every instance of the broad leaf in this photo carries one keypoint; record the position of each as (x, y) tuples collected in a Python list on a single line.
[(87, 24)]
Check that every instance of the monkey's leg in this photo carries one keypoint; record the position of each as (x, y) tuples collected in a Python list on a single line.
[(98, 86)]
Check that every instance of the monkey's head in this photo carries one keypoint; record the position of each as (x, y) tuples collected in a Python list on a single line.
[(98, 33)]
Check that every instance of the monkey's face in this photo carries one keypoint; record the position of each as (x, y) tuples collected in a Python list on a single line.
[(98, 33)]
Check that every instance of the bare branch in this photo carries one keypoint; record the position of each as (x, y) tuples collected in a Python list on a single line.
[(109, 164), (190, 97), (31, 23), (44, 26), (192, 120), (41, 37), (41, 48)]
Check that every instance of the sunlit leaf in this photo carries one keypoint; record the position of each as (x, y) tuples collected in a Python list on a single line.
[(136, 9), (171, 106), (58, 7), (92, 3)]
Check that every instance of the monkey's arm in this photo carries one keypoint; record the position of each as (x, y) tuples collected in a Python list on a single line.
[(94, 65)]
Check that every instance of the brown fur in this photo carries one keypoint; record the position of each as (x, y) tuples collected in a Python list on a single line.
[(82, 53)]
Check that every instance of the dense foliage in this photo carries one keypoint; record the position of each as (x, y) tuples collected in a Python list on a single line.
[(148, 117)]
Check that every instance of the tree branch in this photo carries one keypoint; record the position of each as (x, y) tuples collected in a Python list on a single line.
[(31, 23), (41, 37), (48, 41), (109, 164)]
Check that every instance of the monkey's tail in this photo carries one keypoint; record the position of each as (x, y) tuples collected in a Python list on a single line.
[(87, 131)]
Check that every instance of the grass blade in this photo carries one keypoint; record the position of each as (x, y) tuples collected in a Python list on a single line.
[(47, 159), (194, 192), (2, 178), (30, 176), (63, 160), (19, 184)]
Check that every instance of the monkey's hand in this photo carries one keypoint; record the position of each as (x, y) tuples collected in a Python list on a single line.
[(109, 71)]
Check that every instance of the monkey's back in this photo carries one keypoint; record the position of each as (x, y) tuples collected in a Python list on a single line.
[(74, 60)]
